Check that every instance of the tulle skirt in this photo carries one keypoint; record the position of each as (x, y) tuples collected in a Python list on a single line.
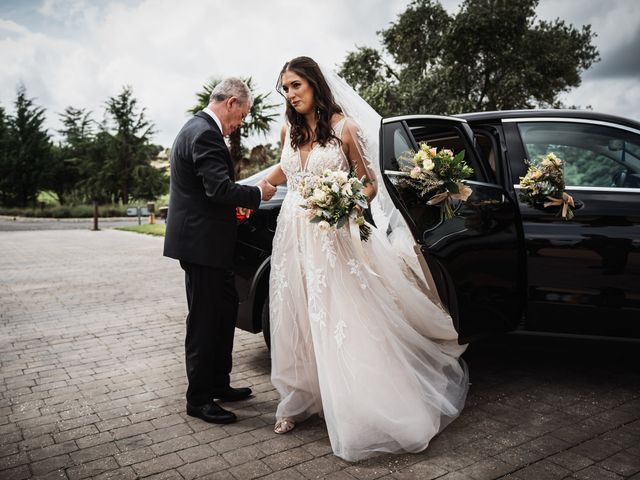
[(355, 339)]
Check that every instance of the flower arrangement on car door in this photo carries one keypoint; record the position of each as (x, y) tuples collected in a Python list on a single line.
[(438, 174), (543, 186)]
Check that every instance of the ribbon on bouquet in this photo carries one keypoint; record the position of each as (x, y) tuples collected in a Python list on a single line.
[(354, 230), (565, 201), (464, 192)]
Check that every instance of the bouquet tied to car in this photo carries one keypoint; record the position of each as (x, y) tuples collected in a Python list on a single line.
[(438, 174), (543, 186)]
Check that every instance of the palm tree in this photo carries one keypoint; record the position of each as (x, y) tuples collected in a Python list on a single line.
[(258, 121)]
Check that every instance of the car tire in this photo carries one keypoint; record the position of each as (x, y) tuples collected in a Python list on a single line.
[(266, 329)]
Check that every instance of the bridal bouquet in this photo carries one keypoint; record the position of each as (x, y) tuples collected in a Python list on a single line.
[(439, 174), (543, 186), (332, 198)]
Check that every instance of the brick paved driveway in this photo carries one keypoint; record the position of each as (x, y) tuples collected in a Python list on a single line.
[(91, 332)]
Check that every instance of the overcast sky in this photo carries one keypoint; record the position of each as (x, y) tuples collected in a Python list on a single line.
[(80, 52)]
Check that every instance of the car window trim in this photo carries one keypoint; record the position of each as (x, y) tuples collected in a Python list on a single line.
[(402, 118), (570, 120), (591, 189)]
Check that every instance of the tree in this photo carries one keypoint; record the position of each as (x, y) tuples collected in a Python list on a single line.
[(130, 147), (26, 152), (5, 162), (68, 157), (258, 121), (492, 55)]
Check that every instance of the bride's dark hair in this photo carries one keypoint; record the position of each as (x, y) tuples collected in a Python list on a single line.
[(325, 105)]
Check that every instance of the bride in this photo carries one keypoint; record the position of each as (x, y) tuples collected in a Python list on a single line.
[(354, 335)]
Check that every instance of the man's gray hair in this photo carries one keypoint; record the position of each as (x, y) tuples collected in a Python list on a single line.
[(231, 87)]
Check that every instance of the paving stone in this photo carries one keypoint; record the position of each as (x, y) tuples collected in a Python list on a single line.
[(16, 473), (596, 473), (250, 470), (288, 458), (131, 457), (623, 463), (206, 466), (157, 465), (50, 464), (193, 454), (423, 470), (571, 461), (94, 453), (242, 455), (596, 449), (321, 466), (92, 469), (543, 470)]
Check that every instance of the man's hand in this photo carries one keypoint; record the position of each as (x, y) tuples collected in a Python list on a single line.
[(242, 212), (268, 190)]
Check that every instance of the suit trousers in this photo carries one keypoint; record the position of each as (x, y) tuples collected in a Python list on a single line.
[(213, 307)]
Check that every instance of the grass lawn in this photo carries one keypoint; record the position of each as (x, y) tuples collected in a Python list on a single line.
[(155, 229)]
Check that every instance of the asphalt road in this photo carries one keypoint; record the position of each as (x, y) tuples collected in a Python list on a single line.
[(20, 224)]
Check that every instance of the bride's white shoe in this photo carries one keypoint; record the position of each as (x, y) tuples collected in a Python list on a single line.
[(284, 425)]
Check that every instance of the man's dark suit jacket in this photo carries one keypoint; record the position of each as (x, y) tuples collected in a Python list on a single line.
[(201, 223)]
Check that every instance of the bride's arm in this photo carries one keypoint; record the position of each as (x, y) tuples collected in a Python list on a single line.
[(277, 176), (355, 152)]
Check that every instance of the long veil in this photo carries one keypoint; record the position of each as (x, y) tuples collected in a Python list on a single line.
[(386, 216)]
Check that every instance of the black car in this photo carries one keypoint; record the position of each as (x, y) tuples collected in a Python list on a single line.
[(500, 264)]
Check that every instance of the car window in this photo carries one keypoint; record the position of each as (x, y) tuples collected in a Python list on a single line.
[(593, 155)]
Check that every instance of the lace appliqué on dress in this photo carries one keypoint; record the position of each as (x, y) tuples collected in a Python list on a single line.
[(316, 282), (356, 269), (278, 280)]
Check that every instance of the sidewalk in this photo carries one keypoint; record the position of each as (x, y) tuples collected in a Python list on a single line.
[(92, 385)]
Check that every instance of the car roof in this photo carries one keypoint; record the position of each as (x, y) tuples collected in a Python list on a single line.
[(546, 113)]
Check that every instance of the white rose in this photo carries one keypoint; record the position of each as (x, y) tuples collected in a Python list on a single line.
[(428, 165), (415, 172), (448, 152), (319, 195), (324, 225), (346, 189)]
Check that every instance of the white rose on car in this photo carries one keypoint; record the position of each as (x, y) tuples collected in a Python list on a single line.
[(428, 165)]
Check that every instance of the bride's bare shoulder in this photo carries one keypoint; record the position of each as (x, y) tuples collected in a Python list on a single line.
[(336, 118)]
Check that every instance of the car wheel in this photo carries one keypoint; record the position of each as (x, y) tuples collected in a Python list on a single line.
[(266, 329)]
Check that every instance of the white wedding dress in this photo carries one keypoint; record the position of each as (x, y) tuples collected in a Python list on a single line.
[(368, 352)]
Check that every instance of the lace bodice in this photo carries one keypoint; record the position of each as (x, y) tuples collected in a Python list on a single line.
[(320, 158)]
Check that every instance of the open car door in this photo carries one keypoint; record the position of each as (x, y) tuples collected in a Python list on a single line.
[(475, 258)]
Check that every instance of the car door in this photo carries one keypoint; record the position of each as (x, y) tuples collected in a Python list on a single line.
[(476, 257), (583, 274)]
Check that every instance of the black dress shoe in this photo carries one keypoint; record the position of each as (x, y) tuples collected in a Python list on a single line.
[(211, 412), (231, 394)]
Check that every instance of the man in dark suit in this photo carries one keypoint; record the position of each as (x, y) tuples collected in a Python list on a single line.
[(201, 233)]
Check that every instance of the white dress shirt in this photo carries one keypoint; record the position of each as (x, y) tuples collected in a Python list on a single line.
[(210, 112)]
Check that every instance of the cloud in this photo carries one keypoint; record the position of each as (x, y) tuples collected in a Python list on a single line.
[(167, 52), (79, 53)]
